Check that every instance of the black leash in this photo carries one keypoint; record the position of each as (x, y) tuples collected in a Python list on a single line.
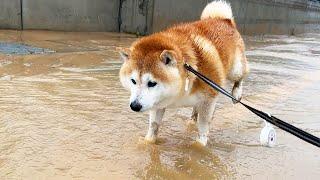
[(269, 118)]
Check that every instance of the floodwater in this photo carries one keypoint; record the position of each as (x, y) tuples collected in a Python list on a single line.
[(64, 115)]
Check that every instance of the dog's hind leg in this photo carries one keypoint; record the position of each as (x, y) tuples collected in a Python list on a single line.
[(194, 117), (237, 90), (155, 118), (205, 110), (238, 72)]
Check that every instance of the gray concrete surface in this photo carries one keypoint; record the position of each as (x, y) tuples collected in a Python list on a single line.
[(167, 12), (147, 16), (136, 16), (10, 14), (276, 17), (71, 15), (252, 16)]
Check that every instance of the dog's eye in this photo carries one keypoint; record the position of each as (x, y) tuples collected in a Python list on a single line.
[(133, 81), (152, 84)]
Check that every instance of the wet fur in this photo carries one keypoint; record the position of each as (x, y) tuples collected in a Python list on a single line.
[(211, 45)]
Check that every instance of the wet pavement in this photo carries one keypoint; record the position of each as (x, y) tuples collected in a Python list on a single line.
[(64, 114)]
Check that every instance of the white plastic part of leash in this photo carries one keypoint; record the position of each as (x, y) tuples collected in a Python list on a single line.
[(268, 135)]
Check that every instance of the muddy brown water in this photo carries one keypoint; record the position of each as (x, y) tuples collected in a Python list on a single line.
[(64, 115)]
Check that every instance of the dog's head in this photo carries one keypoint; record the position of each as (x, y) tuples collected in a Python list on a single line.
[(151, 72)]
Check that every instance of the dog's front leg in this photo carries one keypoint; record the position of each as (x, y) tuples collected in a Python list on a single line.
[(155, 117), (205, 110)]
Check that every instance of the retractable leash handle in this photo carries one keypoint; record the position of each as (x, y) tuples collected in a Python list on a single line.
[(269, 118)]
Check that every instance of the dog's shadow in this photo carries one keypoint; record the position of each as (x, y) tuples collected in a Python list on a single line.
[(181, 161)]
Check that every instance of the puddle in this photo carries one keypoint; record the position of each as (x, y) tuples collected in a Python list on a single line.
[(64, 115)]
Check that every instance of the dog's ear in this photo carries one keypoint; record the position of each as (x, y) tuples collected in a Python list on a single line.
[(168, 57), (124, 54)]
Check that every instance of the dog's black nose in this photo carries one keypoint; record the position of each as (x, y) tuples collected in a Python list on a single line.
[(135, 106)]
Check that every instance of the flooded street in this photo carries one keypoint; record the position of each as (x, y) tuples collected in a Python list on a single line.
[(64, 114)]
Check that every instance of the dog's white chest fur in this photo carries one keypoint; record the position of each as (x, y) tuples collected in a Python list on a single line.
[(187, 100)]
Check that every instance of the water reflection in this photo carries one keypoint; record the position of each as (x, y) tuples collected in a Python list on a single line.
[(182, 162)]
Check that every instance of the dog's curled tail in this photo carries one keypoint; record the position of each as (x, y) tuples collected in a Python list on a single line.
[(218, 9)]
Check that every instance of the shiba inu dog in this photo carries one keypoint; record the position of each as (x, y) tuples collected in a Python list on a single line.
[(153, 68)]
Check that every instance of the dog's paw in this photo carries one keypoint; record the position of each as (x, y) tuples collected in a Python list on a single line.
[(191, 122), (237, 93), (151, 139), (236, 101), (191, 126), (202, 140)]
